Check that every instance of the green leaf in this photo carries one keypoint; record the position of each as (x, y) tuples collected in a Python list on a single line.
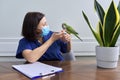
[(115, 35), (96, 34), (99, 10), (110, 21), (100, 32)]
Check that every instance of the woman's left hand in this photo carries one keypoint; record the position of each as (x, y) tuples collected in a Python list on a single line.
[(66, 37)]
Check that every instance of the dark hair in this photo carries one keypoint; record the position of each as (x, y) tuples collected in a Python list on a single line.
[(30, 24)]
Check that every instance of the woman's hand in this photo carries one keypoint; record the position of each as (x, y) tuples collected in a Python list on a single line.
[(57, 35), (61, 35), (66, 37)]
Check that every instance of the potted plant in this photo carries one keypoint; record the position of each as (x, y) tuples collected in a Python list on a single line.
[(107, 33)]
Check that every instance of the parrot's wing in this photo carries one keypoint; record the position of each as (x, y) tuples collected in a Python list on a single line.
[(68, 32), (71, 30)]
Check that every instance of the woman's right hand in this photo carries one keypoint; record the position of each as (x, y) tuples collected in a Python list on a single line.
[(57, 35)]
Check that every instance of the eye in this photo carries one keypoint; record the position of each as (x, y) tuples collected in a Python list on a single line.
[(45, 24)]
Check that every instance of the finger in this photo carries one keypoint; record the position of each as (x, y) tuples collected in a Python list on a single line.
[(67, 35), (68, 39), (58, 33), (63, 31)]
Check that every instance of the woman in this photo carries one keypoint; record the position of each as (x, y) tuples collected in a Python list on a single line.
[(39, 43)]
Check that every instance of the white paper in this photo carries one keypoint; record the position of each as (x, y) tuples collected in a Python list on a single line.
[(36, 69)]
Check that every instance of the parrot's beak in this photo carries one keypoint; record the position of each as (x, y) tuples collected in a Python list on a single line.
[(63, 26)]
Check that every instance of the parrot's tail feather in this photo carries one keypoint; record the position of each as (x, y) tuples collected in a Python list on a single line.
[(78, 37)]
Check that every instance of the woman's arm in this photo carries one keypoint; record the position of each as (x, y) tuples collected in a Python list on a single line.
[(67, 38), (69, 46), (34, 55)]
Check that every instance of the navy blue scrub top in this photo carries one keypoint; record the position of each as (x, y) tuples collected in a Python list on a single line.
[(52, 53)]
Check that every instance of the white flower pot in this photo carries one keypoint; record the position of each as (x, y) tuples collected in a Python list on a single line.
[(107, 57)]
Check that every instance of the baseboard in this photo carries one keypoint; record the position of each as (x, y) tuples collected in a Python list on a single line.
[(8, 46)]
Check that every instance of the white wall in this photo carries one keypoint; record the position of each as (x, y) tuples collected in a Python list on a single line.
[(12, 13)]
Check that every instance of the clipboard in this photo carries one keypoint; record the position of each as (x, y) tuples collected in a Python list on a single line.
[(37, 69)]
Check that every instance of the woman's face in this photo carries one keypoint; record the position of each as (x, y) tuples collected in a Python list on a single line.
[(42, 23)]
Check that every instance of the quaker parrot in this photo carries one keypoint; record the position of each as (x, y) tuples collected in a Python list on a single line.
[(70, 30)]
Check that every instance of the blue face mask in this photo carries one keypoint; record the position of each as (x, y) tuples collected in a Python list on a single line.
[(45, 31)]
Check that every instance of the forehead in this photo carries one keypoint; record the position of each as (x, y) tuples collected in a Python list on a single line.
[(43, 20)]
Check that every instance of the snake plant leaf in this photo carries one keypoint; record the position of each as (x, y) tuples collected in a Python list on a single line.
[(108, 28), (96, 34), (100, 32), (115, 35), (99, 10), (117, 30), (110, 21)]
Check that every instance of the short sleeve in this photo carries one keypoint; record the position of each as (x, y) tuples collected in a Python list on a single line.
[(23, 44)]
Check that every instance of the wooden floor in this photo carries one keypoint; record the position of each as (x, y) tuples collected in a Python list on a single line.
[(86, 58)]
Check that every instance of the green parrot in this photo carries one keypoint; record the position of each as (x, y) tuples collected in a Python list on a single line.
[(70, 30)]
